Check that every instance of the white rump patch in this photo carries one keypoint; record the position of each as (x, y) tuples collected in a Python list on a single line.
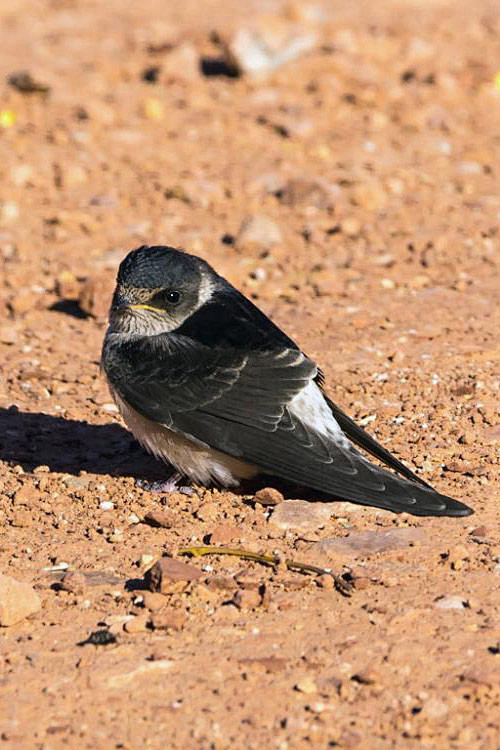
[(311, 408)]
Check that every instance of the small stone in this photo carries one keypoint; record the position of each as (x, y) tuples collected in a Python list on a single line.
[(260, 51), (153, 109), (21, 174), (307, 686), (207, 511), (138, 624), (451, 602), (106, 505), (23, 302), (8, 334), (269, 496), (26, 495), (67, 285), (370, 196), (248, 581), (326, 582), (146, 561), (479, 532), (368, 676), (326, 283), (301, 515), (154, 602), (303, 192), (224, 533), (74, 582), (96, 293), (18, 600), (169, 619), (221, 583), (350, 226), (169, 576), (22, 519), (259, 230), (160, 519), (457, 556), (9, 212), (434, 709), (247, 599), (69, 176), (116, 536)]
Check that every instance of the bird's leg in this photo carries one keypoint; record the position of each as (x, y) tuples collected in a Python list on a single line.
[(167, 487)]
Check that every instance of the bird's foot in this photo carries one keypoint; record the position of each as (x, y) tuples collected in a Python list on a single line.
[(167, 487)]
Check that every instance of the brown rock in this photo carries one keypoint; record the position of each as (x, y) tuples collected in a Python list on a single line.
[(67, 285), (8, 334), (74, 582), (168, 575), (306, 685), (247, 599), (303, 192), (225, 533), (479, 532), (207, 511), (23, 302), (169, 619), (269, 496), (270, 664), (95, 294), (138, 624), (17, 601), (26, 495), (221, 583), (258, 230), (350, 226), (370, 196), (160, 518), (22, 519), (154, 602), (369, 542), (300, 514), (248, 581)]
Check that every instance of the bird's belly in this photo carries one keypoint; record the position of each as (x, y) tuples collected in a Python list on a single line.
[(198, 461)]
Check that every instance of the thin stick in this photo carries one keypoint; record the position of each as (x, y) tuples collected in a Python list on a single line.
[(340, 584)]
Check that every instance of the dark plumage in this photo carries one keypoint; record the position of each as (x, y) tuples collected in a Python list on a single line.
[(208, 382)]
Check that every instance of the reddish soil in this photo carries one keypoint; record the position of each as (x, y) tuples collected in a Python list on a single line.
[(374, 159)]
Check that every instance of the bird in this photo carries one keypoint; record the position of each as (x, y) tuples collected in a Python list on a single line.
[(208, 383)]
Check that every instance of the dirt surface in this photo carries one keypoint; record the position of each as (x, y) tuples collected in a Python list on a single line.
[(353, 194)]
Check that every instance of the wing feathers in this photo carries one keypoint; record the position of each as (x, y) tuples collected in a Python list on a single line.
[(264, 407)]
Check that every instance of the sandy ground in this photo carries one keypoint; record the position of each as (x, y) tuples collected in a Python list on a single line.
[(353, 194)]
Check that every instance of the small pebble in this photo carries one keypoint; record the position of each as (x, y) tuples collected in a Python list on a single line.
[(451, 602), (106, 505), (269, 496), (306, 685), (138, 624)]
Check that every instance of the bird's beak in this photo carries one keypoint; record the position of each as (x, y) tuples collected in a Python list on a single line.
[(143, 307)]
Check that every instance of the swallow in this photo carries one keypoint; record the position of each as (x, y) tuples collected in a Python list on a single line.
[(208, 383)]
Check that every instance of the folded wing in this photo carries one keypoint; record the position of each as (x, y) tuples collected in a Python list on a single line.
[(264, 407)]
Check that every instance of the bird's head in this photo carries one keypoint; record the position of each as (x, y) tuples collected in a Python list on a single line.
[(157, 289)]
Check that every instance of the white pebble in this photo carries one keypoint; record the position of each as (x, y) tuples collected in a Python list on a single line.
[(450, 602), (106, 505)]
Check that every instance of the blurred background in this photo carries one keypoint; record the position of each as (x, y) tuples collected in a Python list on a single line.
[(307, 149)]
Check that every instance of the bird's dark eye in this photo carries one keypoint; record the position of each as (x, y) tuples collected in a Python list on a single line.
[(173, 297)]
